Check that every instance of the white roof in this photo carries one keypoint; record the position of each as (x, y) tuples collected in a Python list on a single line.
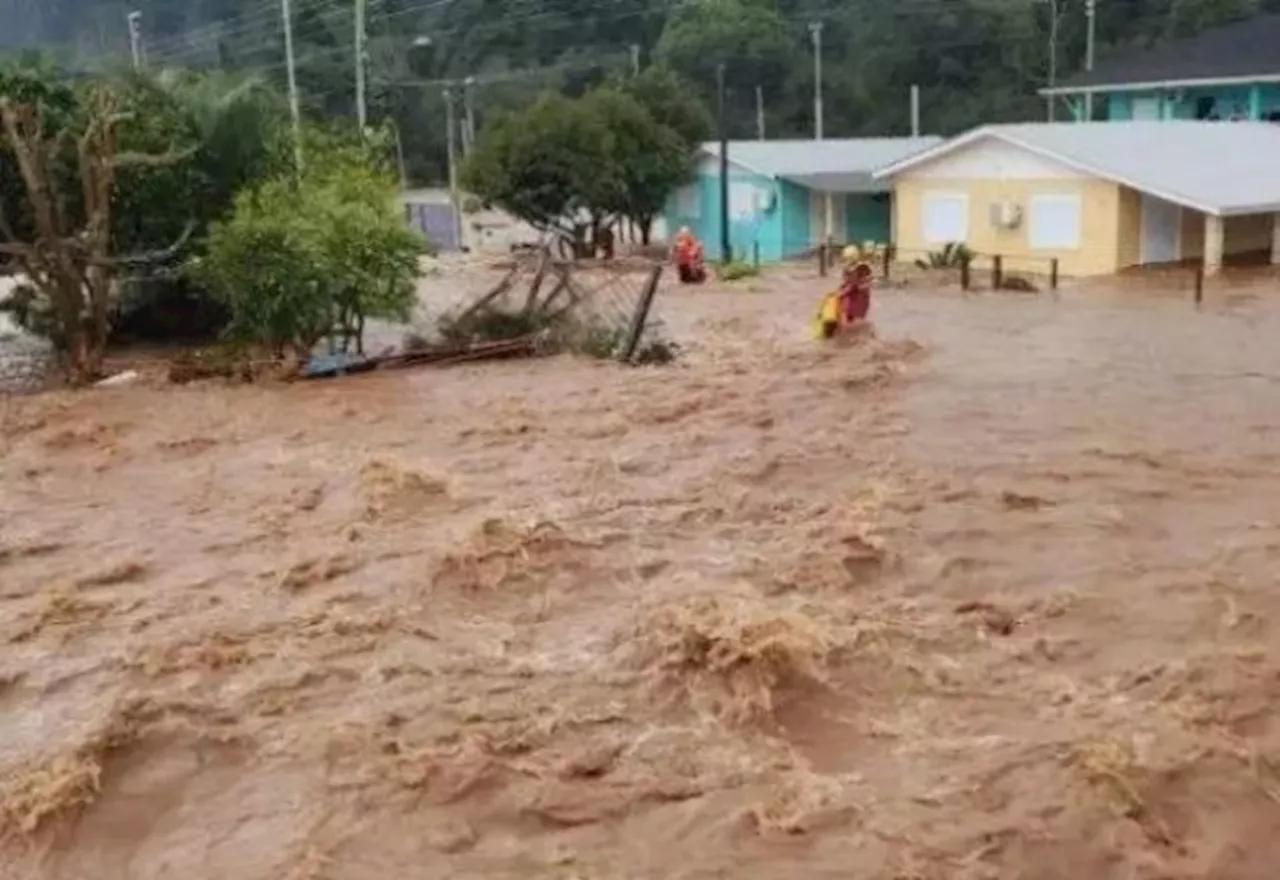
[(836, 165), (1214, 167)]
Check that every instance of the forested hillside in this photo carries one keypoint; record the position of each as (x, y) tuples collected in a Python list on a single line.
[(975, 60)]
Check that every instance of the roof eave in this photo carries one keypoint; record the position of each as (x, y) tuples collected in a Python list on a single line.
[(1158, 85), (1069, 161), (928, 154), (1242, 210), (714, 153)]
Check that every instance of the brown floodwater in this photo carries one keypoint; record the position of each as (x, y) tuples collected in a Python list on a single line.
[(988, 596)]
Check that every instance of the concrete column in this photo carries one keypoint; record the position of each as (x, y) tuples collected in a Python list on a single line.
[(1275, 239), (1213, 242)]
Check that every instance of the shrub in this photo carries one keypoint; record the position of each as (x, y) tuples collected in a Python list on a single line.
[(953, 255), (736, 270), (297, 262)]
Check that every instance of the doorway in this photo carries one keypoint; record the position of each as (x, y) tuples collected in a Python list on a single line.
[(1161, 231)]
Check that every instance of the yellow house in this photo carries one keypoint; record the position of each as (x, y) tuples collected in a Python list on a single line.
[(1098, 196)]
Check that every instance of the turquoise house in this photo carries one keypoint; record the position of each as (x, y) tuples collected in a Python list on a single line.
[(1229, 73), (788, 196)]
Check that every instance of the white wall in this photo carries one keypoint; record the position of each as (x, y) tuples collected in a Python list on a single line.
[(818, 217), (994, 159)]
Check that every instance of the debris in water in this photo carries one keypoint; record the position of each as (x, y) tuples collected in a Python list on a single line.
[(396, 491), (735, 651)]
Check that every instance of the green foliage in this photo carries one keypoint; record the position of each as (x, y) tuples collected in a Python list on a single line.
[(494, 324), (542, 165), (751, 38), (671, 101), (562, 160), (34, 80), (297, 261), (953, 255), (736, 270), (643, 159), (977, 61)]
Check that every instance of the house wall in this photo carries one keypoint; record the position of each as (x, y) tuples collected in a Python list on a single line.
[(697, 206), (1249, 102), (867, 218), (989, 172), (818, 217), (1247, 234), (1129, 229), (796, 233)]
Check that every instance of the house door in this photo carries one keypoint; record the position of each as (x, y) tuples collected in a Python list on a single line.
[(1161, 231), (1146, 108)]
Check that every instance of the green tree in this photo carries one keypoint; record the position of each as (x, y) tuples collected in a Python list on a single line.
[(298, 261), (69, 149), (646, 160), (671, 101), (749, 37), (547, 165)]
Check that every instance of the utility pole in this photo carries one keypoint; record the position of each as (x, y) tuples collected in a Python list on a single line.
[(915, 110), (726, 246), (815, 30), (362, 112), (1091, 16), (1053, 54), (404, 174), (451, 134), (760, 112), (294, 110), (468, 115), (635, 59), (134, 19)]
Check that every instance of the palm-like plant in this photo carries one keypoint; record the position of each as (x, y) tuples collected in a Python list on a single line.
[(953, 255)]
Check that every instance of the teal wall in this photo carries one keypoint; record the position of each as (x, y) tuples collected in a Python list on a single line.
[(866, 218), (781, 233), (795, 238), (761, 229), (1250, 102)]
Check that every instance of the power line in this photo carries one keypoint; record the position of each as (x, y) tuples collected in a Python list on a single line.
[(902, 10)]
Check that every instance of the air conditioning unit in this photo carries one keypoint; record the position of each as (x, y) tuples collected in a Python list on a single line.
[(1006, 214), (764, 201)]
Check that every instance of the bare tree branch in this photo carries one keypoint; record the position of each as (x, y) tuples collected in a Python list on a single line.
[(156, 256), (152, 160)]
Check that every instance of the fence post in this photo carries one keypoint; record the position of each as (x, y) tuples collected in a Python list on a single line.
[(964, 273), (1200, 282), (997, 272), (822, 259), (888, 260), (641, 315), (1053, 274), (755, 253)]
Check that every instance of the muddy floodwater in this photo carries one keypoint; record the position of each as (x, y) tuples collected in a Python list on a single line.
[(990, 596)]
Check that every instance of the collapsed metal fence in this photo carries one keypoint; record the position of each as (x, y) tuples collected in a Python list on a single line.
[(610, 301)]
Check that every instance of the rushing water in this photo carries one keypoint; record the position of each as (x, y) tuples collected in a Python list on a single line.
[(989, 597)]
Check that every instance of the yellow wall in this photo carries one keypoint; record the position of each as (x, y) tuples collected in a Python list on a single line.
[(1246, 234), (1129, 228), (1100, 232)]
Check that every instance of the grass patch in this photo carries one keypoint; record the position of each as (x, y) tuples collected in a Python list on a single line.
[(737, 270)]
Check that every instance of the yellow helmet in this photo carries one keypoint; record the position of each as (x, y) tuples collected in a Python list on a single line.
[(851, 254)]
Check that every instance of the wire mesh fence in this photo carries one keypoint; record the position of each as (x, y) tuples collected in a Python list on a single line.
[(606, 308)]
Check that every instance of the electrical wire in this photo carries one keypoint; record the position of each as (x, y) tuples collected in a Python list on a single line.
[(903, 9)]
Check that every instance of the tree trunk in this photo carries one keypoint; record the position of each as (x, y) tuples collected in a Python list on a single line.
[(645, 223)]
